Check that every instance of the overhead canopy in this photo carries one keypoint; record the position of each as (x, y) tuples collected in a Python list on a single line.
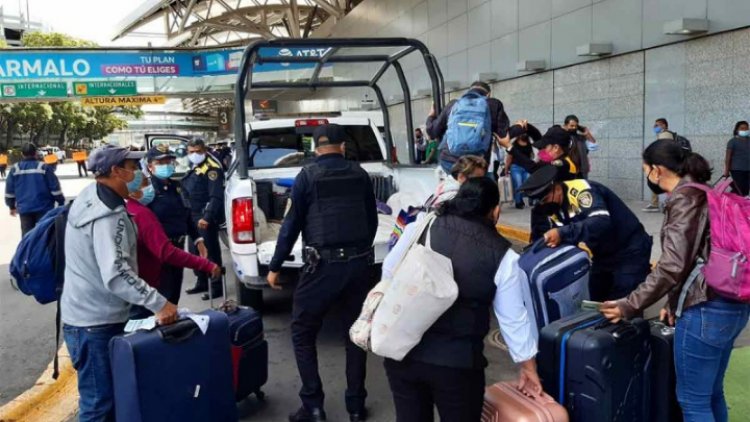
[(232, 22)]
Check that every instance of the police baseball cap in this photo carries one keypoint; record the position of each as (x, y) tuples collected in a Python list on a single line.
[(556, 135), (330, 134), (539, 183), (104, 158), (159, 152)]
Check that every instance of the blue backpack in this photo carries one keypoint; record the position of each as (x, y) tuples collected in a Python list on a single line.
[(469, 125), (38, 265)]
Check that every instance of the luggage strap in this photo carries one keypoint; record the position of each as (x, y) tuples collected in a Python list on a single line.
[(563, 347), (688, 283)]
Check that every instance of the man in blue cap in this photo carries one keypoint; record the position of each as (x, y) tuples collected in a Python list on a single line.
[(101, 277), (173, 214), (333, 206)]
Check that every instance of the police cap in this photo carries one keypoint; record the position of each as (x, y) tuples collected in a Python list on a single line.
[(331, 134), (539, 183), (159, 152), (556, 135)]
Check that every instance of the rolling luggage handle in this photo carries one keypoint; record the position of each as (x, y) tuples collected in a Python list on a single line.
[(229, 306)]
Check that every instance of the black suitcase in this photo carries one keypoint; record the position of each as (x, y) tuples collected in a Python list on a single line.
[(664, 404), (597, 370), (249, 348)]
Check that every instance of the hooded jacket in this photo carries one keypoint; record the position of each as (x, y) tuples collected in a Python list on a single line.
[(101, 269)]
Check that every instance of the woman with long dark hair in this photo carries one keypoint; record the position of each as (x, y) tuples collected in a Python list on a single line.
[(706, 324), (446, 369), (737, 162)]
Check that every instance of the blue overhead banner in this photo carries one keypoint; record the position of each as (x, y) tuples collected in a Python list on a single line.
[(22, 65)]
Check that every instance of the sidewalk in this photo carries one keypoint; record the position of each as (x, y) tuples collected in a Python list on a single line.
[(652, 221)]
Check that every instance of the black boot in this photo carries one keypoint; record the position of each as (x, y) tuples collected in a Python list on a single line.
[(215, 292), (198, 288), (304, 415)]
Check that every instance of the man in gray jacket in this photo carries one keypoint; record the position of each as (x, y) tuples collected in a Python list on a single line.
[(101, 277)]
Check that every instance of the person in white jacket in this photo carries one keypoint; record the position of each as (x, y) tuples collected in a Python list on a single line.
[(101, 277)]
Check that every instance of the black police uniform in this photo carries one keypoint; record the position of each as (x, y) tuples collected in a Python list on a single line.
[(203, 191), (592, 214), (333, 206)]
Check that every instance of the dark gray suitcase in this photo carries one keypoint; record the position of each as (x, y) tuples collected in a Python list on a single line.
[(664, 405)]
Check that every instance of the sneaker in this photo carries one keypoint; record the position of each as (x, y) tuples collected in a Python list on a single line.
[(651, 208)]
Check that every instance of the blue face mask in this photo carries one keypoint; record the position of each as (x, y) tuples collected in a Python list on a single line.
[(135, 184), (196, 158), (657, 130), (744, 133), (148, 195), (164, 171)]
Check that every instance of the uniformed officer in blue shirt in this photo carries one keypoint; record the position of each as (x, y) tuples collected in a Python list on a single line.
[(583, 211), (31, 189), (333, 206), (203, 189), (173, 214)]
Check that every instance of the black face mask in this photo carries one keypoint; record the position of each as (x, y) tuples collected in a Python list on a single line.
[(655, 188), (549, 208)]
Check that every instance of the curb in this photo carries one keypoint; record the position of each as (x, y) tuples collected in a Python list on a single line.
[(48, 400), (512, 233)]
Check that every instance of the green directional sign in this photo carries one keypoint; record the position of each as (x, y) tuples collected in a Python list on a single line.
[(35, 90), (104, 88)]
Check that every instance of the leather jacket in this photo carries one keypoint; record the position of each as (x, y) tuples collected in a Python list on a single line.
[(684, 238)]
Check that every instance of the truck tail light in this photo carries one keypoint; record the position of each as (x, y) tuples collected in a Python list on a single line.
[(310, 122), (243, 223)]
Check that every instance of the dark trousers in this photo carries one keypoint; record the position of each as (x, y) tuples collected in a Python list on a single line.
[(211, 238), (611, 281), (345, 284), (417, 387), (170, 281), (2, 170), (29, 220), (742, 180), (82, 166)]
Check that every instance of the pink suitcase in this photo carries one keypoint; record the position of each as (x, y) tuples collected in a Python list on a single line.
[(504, 403)]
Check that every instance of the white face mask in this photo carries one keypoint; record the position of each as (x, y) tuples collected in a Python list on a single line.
[(196, 158)]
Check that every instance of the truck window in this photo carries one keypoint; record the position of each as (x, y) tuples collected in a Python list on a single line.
[(289, 146)]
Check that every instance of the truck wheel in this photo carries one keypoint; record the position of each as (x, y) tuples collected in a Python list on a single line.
[(249, 297)]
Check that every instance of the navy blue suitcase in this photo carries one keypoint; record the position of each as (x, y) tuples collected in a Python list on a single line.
[(249, 351), (597, 370), (174, 373), (664, 404), (558, 280)]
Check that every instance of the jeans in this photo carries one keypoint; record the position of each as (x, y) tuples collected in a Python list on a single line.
[(704, 337), (89, 352), (518, 175)]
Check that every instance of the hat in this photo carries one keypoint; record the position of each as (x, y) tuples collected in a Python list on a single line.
[(103, 159), (539, 183), (556, 135), (334, 133), (159, 152)]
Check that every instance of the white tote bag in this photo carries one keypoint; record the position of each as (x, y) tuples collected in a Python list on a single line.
[(421, 290)]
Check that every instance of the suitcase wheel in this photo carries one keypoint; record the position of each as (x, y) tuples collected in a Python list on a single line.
[(260, 395)]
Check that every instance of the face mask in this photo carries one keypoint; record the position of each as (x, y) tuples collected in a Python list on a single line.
[(744, 133), (548, 208), (655, 188), (164, 171), (657, 130), (135, 184), (148, 195), (196, 158), (545, 156)]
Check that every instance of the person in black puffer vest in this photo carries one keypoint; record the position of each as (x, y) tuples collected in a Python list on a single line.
[(446, 368)]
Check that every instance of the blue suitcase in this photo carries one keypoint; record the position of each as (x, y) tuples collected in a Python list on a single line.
[(174, 373), (558, 280)]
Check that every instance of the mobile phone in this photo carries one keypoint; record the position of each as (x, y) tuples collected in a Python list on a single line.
[(581, 129), (590, 305)]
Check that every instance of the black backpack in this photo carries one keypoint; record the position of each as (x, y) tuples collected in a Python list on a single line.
[(683, 142)]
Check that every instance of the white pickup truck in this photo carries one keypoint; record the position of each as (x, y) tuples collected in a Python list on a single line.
[(255, 206)]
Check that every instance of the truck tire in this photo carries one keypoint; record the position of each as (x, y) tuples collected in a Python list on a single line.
[(249, 297)]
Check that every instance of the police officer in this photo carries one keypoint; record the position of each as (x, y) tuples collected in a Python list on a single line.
[(31, 189), (203, 190), (581, 211), (333, 206), (173, 214)]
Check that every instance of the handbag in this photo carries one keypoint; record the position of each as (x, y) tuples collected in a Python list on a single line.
[(421, 290)]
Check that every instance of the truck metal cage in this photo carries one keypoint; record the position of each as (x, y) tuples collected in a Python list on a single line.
[(380, 54)]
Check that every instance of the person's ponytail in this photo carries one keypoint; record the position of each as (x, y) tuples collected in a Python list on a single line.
[(697, 167)]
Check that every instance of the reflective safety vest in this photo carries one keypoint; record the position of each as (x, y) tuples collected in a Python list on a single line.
[(50, 159), (80, 156), (3, 160)]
